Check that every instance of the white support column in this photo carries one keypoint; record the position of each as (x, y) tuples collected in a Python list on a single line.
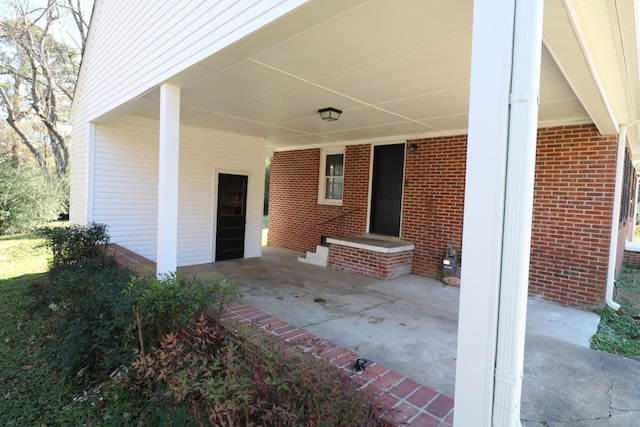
[(168, 179), (500, 164), (90, 165), (491, 60), (516, 249)]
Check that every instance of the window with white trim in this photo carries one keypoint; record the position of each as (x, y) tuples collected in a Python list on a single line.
[(331, 176)]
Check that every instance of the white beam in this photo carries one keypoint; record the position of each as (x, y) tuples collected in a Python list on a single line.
[(565, 40), (168, 179)]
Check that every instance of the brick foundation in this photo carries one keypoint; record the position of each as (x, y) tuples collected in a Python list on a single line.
[(632, 258), (381, 266)]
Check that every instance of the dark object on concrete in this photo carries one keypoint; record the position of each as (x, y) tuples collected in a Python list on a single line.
[(359, 365)]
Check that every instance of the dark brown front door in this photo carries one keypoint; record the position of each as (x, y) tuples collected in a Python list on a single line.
[(230, 224), (386, 192)]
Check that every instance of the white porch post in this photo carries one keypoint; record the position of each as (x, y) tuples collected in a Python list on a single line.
[(505, 67), (91, 148), (168, 179)]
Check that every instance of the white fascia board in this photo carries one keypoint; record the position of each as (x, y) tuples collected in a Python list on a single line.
[(563, 35)]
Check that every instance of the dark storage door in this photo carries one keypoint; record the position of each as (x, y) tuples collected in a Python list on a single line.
[(386, 194), (232, 205)]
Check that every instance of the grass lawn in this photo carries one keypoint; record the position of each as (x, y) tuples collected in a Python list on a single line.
[(31, 392), (619, 332), (22, 255), (628, 284)]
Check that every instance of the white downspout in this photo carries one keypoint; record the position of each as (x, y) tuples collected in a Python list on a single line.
[(635, 209), (518, 218), (615, 217)]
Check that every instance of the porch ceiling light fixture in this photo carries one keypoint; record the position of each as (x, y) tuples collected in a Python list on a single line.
[(329, 114)]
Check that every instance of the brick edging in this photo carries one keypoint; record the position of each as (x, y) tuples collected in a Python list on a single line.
[(408, 403)]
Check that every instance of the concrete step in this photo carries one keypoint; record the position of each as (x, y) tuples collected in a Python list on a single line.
[(320, 257)]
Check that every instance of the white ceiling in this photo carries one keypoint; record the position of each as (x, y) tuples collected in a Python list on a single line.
[(395, 71)]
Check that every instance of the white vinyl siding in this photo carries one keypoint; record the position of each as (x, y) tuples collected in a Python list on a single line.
[(204, 154), (78, 175), (126, 189), (125, 183), (134, 46)]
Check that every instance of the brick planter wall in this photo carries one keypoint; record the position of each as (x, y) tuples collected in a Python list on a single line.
[(382, 266), (575, 171)]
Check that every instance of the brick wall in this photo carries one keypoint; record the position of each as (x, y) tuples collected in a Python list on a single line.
[(623, 231), (433, 200), (575, 171), (632, 258), (626, 227), (296, 220)]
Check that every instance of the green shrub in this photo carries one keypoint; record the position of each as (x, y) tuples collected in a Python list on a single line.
[(27, 198), (171, 303), (231, 380), (76, 244), (103, 312), (93, 319)]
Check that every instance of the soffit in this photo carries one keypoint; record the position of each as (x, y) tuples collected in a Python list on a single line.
[(394, 71)]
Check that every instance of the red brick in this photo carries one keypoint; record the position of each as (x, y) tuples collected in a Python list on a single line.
[(441, 406), (330, 355), (292, 334), (422, 396), (387, 380), (402, 414), (425, 420), (374, 371), (346, 360), (284, 329), (406, 387)]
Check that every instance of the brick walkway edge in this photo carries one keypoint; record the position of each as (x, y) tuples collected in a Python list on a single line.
[(409, 403)]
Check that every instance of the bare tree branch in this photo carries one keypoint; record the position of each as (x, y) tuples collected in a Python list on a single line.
[(40, 74), (25, 140)]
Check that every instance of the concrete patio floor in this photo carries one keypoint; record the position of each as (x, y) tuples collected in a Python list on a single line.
[(410, 326)]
